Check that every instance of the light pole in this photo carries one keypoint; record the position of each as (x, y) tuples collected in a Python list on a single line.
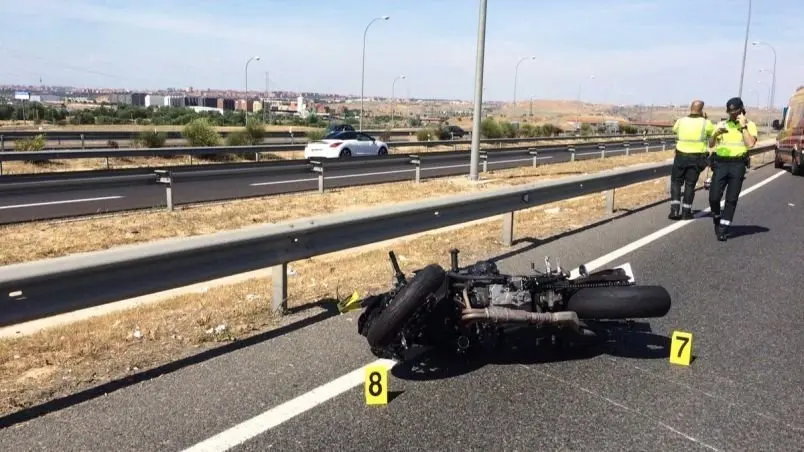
[(245, 107), (770, 96), (363, 70), (580, 85), (516, 73), (773, 83), (745, 48), (474, 158), (393, 98)]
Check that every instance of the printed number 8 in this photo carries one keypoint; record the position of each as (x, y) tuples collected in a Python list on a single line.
[(375, 386)]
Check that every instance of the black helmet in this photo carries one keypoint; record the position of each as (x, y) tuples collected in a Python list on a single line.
[(735, 103)]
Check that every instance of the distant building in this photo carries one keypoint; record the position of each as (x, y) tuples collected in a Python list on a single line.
[(154, 100)]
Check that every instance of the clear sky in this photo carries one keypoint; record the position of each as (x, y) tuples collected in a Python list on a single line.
[(663, 51)]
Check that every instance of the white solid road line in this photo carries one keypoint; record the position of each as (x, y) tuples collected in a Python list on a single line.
[(52, 203), (244, 431), (432, 168), (309, 400), (380, 173)]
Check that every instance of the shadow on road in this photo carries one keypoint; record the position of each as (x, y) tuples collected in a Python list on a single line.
[(524, 346), (739, 230), (329, 310)]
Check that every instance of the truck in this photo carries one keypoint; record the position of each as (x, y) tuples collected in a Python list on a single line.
[(790, 137)]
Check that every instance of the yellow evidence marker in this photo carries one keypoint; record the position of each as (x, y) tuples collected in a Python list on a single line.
[(350, 303), (376, 385), (681, 348)]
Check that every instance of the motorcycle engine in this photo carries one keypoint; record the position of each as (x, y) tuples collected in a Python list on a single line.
[(502, 295)]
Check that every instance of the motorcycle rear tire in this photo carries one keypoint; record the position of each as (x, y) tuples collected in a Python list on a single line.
[(620, 302), (385, 327)]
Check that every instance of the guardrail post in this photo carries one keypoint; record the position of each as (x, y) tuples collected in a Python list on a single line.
[(664, 145), (108, 165), (602, 148), (571, 150), (2, 143), (318, 167), (610, 201), (627, 147), (668, 181), (508, 229), (647, 147), (484, 156), (279, 286), (164, 177), (416, 160), (535, 155), (82, 141)]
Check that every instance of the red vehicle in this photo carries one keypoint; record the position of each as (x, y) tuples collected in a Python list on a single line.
[(790, 140)]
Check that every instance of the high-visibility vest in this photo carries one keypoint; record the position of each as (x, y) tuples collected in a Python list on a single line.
[(731, 143), (692, 134)]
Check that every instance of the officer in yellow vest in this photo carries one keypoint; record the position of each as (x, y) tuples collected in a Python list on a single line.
[(732, 140), (692, 134)]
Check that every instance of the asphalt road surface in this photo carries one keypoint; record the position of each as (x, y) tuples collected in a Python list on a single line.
[(69, 203), (301, 389)]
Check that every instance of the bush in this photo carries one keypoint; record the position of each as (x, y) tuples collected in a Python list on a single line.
[(199, 132), (34, 144), (315, 134), (237, 138), (489, 128), (255, 132), (150, 139), (427, 134)]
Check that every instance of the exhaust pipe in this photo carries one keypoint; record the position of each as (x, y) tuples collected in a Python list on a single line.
[(506, 315)]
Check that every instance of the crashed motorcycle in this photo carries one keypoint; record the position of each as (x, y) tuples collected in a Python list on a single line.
[(466, 308)]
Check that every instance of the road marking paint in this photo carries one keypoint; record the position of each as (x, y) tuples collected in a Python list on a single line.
[(244, 431), (650, 238), (52, 203), (408, 170)]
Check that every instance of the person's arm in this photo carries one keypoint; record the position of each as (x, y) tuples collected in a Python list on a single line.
[(750, 133), (715, 136)]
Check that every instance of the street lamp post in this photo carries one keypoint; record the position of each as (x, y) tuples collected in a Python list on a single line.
[(745, 48), (516, 74), (773, 83), (393, 98), (474, 158), (363, 70), (245, 107)]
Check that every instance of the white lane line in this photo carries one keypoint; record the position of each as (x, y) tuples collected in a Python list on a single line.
[(242, 432), (408, 170), (255, 426), (53, 203), (616, 254), (380, 173)]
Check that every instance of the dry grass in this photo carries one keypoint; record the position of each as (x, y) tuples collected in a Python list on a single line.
[(19, 125), (66, 359), (138, 162), (38, 240)]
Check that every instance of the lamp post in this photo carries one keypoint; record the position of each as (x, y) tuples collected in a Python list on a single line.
[(474, 157), (245, 107), (363, 70), (773, 83), (516, 73), (393, 98), (745, 48)]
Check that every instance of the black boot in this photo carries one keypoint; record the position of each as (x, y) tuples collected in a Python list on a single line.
[(722, 232), (674, 215), (686, 214)]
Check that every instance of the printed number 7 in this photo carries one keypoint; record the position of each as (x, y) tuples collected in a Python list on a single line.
[(685, 341)]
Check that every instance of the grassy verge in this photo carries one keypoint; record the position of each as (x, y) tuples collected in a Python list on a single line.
[(66, 359)]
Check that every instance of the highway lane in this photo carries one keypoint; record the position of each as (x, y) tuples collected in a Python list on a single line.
[(86, 201), (735, 396)]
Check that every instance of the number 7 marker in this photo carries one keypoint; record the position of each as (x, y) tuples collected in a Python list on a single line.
[(681, 348)]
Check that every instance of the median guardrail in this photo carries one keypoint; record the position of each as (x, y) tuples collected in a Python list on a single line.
[(61, 181), (44, 288)]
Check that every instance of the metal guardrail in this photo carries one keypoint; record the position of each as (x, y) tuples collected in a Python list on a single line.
[(43, 182), (43, 288), (9, 156)]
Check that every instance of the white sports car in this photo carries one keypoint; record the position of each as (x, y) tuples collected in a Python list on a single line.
[(345, 144)]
